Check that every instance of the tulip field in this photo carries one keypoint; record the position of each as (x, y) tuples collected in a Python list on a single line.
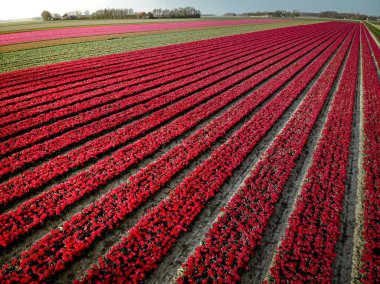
[(251, 158)]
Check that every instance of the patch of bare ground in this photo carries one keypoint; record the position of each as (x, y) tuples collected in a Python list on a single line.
[(262, 260)]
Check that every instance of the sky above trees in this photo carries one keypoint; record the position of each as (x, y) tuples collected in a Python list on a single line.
[(18, 9)]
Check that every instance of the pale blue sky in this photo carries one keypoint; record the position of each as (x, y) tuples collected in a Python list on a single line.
[(13, 9)]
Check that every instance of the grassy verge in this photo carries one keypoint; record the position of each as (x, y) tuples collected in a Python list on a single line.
[(374, 30), (70, 51)]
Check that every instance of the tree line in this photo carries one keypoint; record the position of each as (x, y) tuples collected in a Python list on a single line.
[(295, 13), (187, 12), (337, 15), (274, 14)]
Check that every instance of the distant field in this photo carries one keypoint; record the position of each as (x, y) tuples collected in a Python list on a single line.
[(375, 23), (236, 159), (19, 26), (10, 27), (374, 27), (60, 33), (39, 53)]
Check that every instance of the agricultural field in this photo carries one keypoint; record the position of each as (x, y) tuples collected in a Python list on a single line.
[(228, 153), (39, 53)]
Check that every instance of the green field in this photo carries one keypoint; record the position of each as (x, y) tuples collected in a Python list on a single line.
[(21, 59), (10, 27), (20, 26), (374, 28)]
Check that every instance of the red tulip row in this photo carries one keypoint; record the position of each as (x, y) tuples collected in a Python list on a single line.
[(72, 68), (65, 82), (116, 88), (68, 71), (90, 100), (65, 73), (117, 73), (370, 272), (156, 232), (307, 252), (82, 230), (38, 151), (106, 110), (231, 241), (375, 48), (35, 211), (41, 175)]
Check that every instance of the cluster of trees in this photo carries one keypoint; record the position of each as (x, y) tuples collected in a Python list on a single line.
[(187, 12), (295, 13), (276, 14), (337, 15)]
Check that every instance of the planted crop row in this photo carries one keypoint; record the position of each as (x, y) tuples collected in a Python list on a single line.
[(370, 272), (59, 197), (60, 53), (20, 159), (107, 212), (91, 99), (307, 252), (66, 72), (156, 232), (18, 80), (116, 89), (374, 47), (113, 67), (232, 240), (116, 74)]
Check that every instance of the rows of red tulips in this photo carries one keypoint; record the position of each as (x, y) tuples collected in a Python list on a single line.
[(370, 272), (47, 131), (113, 90), (32, 94), (35, 178), (48, 112), (232, 240), (118, 74), (156, 232), (70, 32), (307, 252), (374, 47), (54, 201), (60, 74), (65, 73), (60, 71), (81, 231)]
